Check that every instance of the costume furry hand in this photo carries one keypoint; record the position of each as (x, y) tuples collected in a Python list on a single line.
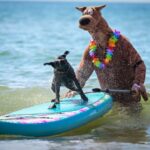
[(139, 89)]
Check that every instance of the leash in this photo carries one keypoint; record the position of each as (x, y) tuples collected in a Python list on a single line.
[(123, 91)]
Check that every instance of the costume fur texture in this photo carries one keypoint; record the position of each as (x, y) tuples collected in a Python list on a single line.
[(125, 71)]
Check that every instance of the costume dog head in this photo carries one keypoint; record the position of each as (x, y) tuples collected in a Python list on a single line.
[(91, 17)]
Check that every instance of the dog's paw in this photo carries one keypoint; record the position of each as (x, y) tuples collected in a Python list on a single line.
[(84, 97), (53, 100), (52, 105)]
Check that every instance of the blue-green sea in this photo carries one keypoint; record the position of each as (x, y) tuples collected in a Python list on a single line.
[(32, 33)]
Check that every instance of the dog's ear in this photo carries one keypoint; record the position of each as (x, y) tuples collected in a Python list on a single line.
[(66, 53), (98, 8), (81, 8), (50, 63)]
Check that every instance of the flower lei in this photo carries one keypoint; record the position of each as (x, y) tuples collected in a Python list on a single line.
[(109, 51)]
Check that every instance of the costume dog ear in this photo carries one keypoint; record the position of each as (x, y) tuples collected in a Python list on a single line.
[(98, 8), (81, 8)]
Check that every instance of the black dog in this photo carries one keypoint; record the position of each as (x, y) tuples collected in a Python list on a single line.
[(64, 75)]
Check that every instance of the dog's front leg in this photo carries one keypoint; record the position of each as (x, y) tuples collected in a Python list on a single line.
[(57, 90), (79, 90)]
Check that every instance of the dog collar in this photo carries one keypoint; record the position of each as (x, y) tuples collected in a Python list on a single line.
[(109, 51)]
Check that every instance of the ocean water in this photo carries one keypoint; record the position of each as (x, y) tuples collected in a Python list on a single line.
[(32, 33)]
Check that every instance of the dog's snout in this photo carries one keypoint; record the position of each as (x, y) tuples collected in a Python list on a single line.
[(84, 21)]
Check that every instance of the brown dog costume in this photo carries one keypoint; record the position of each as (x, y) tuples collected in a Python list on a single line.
[(126, 69)]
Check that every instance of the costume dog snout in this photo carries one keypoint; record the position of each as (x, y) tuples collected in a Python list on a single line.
[(84, 21)]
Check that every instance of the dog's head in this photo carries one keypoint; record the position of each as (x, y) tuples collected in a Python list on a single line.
[(61, 64), (91, 17)]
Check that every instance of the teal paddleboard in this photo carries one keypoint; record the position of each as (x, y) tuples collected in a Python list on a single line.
[(69, 114)]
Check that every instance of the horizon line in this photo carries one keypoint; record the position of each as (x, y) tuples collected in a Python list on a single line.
[(101, 1)]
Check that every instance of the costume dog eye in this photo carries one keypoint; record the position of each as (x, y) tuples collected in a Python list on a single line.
[(90, 11), (85, 12)]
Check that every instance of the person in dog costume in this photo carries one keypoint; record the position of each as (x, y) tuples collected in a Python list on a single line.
[(116, 62)]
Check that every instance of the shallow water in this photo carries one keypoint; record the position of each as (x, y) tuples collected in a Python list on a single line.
[(34, 33)]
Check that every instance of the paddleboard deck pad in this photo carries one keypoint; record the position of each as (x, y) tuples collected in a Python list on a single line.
[(69, 114)]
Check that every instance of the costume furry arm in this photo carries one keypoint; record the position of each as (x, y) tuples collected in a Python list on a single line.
[(136, 62), (138, 65), (85, 68)]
